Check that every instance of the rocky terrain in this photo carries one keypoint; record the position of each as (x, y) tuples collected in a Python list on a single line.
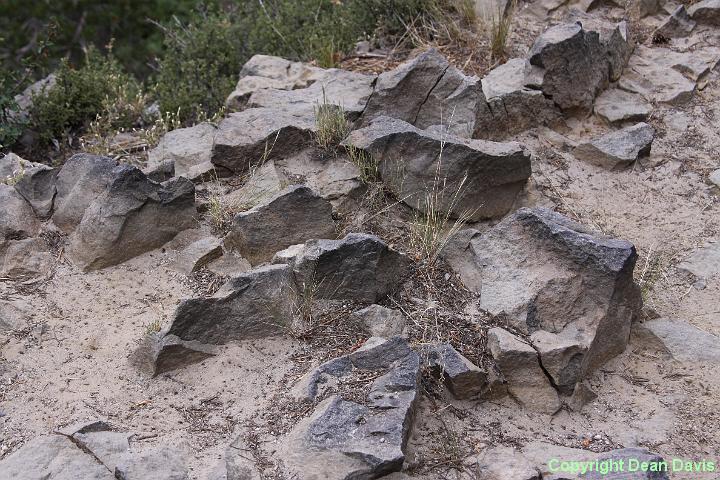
[(415, 274)]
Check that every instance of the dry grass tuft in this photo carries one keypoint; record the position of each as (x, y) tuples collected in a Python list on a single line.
[(332, 126)]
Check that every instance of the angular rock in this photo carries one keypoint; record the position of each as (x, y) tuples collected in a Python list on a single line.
[(169, 352), (706, 12), (110, 448), (714, 178), (293, 216), (463, 378), (133, 216), (159, 464), (256, 304), (264, 184), (515, 100), (229, 265), (645, 8), (505, 463), (189, 149), (84, 426), (615, 40), (582, 395), (198, 254), (80, 181), (703, 263), (380, 321), (616, 106), (560, 357), (253, 136), (17, 219), (538, 270), (681, 340), (34, 181), (359, 267), (619, 148), (519, 364), (25, 259), (474, 178), (377, 353), (676, 25)]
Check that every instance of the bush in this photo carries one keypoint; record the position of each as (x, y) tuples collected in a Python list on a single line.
[(11, 127), (100, 89)]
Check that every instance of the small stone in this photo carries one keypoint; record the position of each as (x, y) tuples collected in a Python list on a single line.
[(618, 149), (381, 321)]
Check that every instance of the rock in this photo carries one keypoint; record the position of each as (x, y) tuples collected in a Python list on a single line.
[(676, 25), (160, 464), (560, 357), (519, 364), (14, 315), (169, 352), (645, 8), (80, 181), (253, 136), (52, 457), (84, 426), (24, 100), (348, 90), (34, 181), (264, 71), (25, 259), (293, 216), (550, 273), (360, 441), (714, 178), (582, 395), (614, 38), (110, 448), (505, 463), (679, 339), (625, 455), (616, 106), (706, 12), (515, 101), (380, 321), (229, 265), (359, 267), (134, 216), (703, 263), (263, 185), (198, 254), (463, 378), (17, 219), (189, 150), (256, 304), (161, 172), (473, 178), (619, 148)]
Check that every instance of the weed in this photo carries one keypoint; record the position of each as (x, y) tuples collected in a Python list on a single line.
[(220, 213), (16, 175), (153, 327), (332, 126), (466, 10), (500, 27), (368, 166)]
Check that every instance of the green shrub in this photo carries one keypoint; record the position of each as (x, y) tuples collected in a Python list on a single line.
[(11, 127), (99, 90)]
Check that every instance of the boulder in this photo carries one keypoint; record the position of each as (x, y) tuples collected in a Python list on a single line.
[(27, 258), (473, 178), (189, 150), (515, 101), (526, 380), (682, 341), (256, 304), (133, 216), (463, 378), (17, 219), (251, 137), (678, 24), (380, 321), (617, 149), (617, 106), (359, 267), (706, 12), (294, 215), (81, 180), (538, 270), (198, 254), (34, 181)]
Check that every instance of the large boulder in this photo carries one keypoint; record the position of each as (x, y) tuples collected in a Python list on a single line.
[(253, 136), (134, 215), (17, 219), (34, 181), (427, 169), (619, 148), (189, 150), (80, 181), (538, 270), (359, 267), (293, 216)]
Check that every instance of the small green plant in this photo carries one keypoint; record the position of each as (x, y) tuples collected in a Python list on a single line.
[(153, 327), (16, 175), (332, 126), (220, 214), (500, 27), (368, 166)]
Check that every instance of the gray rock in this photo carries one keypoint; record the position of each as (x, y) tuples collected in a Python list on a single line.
[(293, 216), (256, 304), (715, 178), (706, 12), (24, 100), (520, 366), (229, 265), (703, 263), (550, 273), (169, 352), (84, 426), (680, 340), (676, 25), (476, 178), (17, 219), (381, 321), (133, 216), (80, 181), (27, 258), (359, 267), (160, 464), (560, 357), (377, 353), (264, 184), (198, 254), (110, 448), (614, 39), (645, 8), (505, 463), (582, 395), (251, 137), (34, 181), (617, 106), (463, 378), (14, 315), (619, 148), (189, 150)]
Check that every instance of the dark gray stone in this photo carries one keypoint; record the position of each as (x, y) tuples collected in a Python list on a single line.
[(381, 321), (618, 149), (463, 378)]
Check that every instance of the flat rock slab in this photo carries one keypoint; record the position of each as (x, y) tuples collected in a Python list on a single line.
[(616, 106), (681, 340), (617, 149), (703, 263), (198, 254), (473, 178)]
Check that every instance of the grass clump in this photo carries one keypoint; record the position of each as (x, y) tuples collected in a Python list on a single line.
[(368, 166), (500, 27), (332, 126)]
